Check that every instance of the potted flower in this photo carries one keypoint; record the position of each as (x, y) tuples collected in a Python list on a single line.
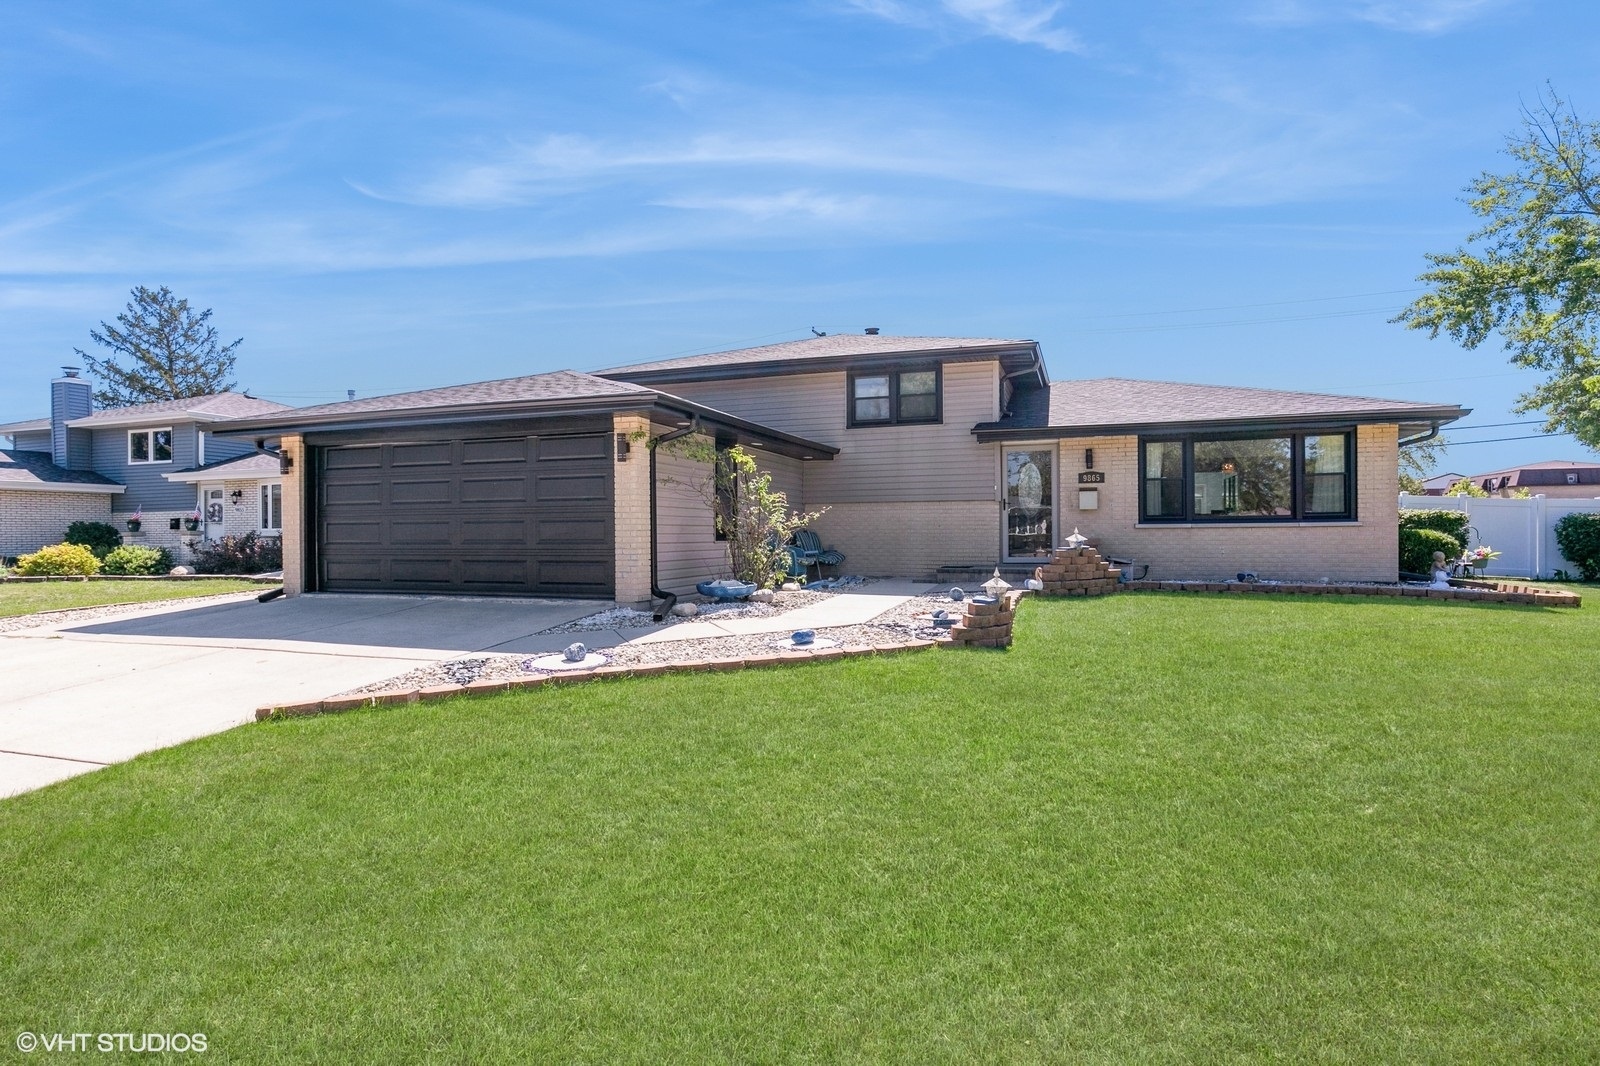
[(135, 520), (1475, 559), (191, 521)]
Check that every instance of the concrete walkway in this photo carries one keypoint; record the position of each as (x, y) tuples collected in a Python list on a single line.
[(846, 608)]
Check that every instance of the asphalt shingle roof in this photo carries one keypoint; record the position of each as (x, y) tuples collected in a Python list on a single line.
[(833, 346), (1124, 402), (556, 385), (253, 465), (220, 405), (24, 470)]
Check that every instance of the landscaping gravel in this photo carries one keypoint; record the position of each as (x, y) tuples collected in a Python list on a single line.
[(111, 610), (897, 624), (628, 618)]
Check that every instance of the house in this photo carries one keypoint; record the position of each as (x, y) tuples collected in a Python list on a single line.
[(927, 453), (1439, 484), (160, 459), (1562, 478)]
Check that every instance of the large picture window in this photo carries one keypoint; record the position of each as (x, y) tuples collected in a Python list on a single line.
[(893, 397), (1258, 478)]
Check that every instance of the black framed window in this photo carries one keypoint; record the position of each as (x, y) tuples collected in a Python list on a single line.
[(1261, 477), (895, 397)]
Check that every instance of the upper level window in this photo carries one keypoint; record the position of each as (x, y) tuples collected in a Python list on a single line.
[(1283, 476), (150, 446), (893, 397)]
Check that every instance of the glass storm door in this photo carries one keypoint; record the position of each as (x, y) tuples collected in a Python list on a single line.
[(213, 513), (1030, 503)]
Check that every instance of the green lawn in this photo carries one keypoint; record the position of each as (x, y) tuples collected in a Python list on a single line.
[(29, 597), (1161, 828)]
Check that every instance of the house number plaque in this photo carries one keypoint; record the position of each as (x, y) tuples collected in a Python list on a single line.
[(1092, 477)]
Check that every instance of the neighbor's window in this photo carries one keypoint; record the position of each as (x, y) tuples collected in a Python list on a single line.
[(150, 446), (272, 506), (1283, 476), (894, 397)]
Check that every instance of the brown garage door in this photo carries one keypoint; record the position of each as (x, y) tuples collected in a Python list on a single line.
[(504, 515)]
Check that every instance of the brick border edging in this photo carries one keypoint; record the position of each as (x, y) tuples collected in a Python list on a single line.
[(1500, 592), (490, 687), (253, 579)]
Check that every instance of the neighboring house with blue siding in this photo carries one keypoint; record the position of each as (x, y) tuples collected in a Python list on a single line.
[(158, 461)]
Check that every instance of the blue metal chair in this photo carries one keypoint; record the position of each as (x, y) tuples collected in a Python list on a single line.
[(813, 553)]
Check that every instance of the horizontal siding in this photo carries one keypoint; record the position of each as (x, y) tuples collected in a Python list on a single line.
[(788, 477), (880, 463), (146, 487), (36, 441), (688, 551), (220, 448)]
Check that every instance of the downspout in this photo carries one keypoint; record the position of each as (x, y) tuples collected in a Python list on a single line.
[(1433, 431), (668, 599)]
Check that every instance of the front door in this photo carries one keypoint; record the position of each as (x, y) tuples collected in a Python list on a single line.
[(212, 512), (1030, 503)]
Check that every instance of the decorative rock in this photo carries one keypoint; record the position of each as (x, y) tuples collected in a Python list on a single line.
[(791, 586), (180, 571), (958, 594), (575, 653), (762, 596), (803, 636), (685, 610)]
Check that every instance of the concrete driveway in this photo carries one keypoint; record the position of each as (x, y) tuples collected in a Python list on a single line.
[(75, 697)]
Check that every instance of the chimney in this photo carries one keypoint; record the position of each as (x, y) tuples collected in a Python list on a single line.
[(872, 331), (70, 397)]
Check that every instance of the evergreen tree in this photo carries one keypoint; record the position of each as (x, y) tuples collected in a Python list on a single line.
[(160, 350)]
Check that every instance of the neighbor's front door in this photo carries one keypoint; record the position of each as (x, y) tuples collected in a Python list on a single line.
[(1030, 502), (213, 512)]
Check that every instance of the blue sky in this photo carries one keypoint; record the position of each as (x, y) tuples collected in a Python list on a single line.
[(383, 197)]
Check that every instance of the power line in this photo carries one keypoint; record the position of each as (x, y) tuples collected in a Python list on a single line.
[(1250, 307), (1499, 425), (1354, 313), (1497, 440)]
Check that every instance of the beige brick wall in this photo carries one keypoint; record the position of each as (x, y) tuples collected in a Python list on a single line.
[(30, 520), (911, 539), (294, 548), (1363, 550), (631, 507)]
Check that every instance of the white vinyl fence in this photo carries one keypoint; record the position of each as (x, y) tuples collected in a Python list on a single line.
[(1522, 531)]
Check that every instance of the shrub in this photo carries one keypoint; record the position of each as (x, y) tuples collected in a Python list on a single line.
[(59, 560), (1465, 487), (99, 537), (1578, 537), (1418, 545), (1451, 523), (136, 559), (248, 554)]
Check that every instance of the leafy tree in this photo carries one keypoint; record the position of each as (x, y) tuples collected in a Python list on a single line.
[(1466, 487), (1417, 462), (752, 516), (1531, 275), (160, 350)]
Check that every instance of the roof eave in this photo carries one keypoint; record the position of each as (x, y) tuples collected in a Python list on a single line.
[(987, 432), (63, 486), (747, 432), (447, 415), (823, 364)]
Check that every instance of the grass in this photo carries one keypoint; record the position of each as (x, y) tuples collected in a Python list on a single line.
[(1160, 828), (30, 597)]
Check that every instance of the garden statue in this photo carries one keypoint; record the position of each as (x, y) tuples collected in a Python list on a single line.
[(1036, 582), (1441, 572)]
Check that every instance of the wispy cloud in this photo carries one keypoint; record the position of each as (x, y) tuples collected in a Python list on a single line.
[(1012, 20), (1405, 16)]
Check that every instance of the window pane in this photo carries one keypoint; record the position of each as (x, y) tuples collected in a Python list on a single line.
[(873, 409), (1245, 478), (1327, 479), (875, 386), (920, 383), (163, 445), (913, 408), (1163, 484), (139, 447)]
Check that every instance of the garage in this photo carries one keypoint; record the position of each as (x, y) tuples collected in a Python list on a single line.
[(479, 512)]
